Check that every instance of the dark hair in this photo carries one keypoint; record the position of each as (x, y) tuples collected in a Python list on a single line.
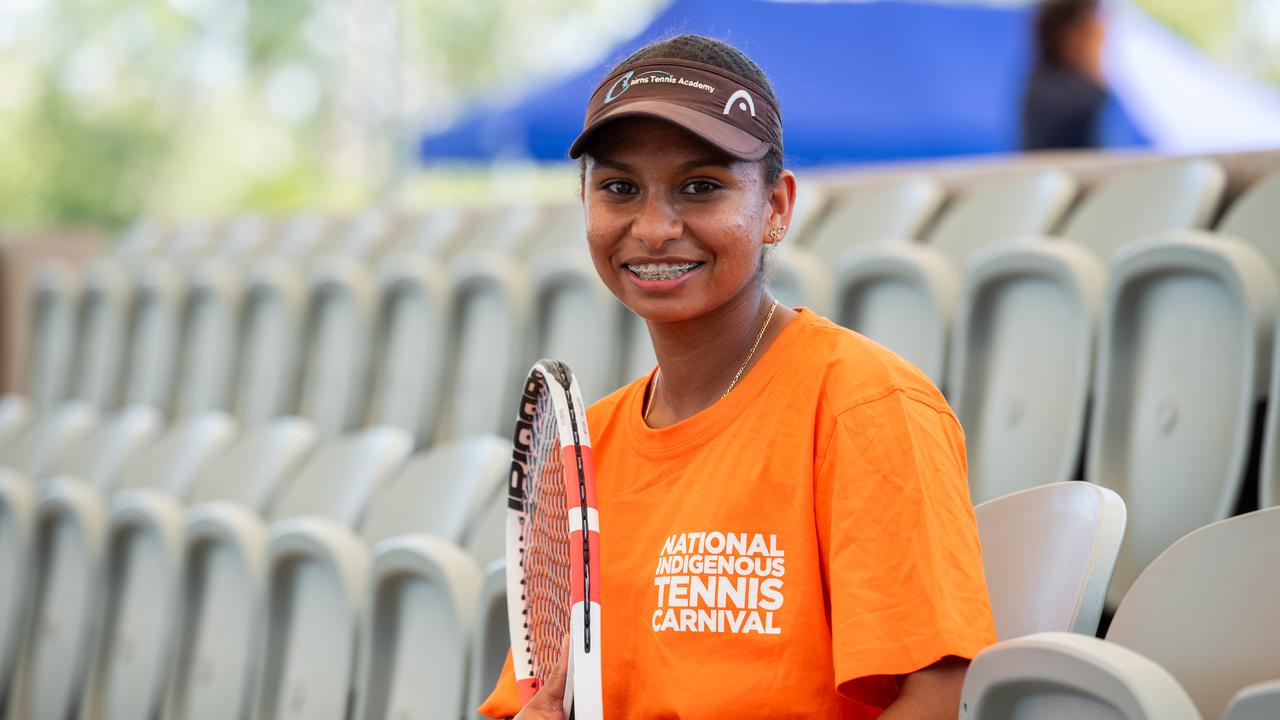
[(1054, 20), (724, 56)]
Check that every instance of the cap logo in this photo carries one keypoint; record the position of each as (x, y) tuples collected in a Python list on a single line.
[(749, 105), (624, 82)]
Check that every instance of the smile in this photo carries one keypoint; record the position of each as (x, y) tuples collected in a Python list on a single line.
[(661, 271)]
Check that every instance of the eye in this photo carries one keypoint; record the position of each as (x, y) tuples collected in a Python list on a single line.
[(618, 187), (700, 187)]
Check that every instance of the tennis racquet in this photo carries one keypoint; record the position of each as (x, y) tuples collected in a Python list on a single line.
[(553, 542)]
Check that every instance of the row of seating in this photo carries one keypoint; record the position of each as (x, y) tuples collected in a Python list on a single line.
[(202, 572)]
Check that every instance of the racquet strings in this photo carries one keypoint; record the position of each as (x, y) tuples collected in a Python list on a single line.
[(545, 560)]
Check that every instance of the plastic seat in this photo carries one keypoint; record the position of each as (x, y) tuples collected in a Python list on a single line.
[(72, 547), (410, 346), (903, 293), (576, 319), (433, 235), (491, 638), (1197, 628), (144, 238), (219, 655), (1049, 553), (335, 348), (303, 236), (151, 339), (638, 356), (101, 322), (53, 299), (96, 460), (265, 384), (368, 236), (15, 413), (33, 449), (1182, 369), (507, 230), (244, 238), (420, 592), (209, 338), (141, 618), (1024, 401), (560, 226), (491, 307), (866, 215)]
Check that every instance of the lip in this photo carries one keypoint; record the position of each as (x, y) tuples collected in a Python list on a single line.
[(660, 286)]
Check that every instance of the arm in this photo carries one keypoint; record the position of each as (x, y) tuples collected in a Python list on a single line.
[(931, 692)]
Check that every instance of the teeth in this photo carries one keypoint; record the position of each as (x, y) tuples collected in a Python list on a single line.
[(661, 271)]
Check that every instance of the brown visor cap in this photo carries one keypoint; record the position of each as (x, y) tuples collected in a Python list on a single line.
[(724, 109)]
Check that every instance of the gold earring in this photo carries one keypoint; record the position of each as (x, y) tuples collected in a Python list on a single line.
[(775, 235)]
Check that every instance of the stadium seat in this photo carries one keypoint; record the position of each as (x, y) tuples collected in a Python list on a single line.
[(1255, 217), (33, 449), (576, 319), (508, 230), (410, 346), (96, 460), (491, 312), (15, 413), (1255, 702), (338, 329), (222, 640), (191, 238), (146, 237), (151, 335), (1023, 402), (559, 226), (1197, 628), (863, 215), (638, 358), (1049, 552), (141, 617), (1183, 356), (245, 237), (102, 317), (209, 337), (369, 235), (491, 638), (411, 609), (904, 293), (52, 345), (267, 358), (304, 236), (71, 546), (434, 234)]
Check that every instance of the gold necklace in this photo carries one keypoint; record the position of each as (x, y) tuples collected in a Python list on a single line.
[(653, 391)]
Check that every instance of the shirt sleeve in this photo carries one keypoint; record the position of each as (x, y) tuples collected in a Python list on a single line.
[(899, 544), (504, 701)]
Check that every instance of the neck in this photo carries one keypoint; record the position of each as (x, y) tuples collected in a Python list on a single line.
[(698, 358)]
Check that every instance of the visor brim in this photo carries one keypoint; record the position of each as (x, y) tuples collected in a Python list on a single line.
[(734, 141)]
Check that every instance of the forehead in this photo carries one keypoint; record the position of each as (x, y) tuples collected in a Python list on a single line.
[(646, 138)]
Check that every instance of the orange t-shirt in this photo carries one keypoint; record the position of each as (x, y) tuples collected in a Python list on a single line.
[(790, 551)]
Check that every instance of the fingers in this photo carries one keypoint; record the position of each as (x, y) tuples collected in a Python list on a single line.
[(548, 702), (554, 689)]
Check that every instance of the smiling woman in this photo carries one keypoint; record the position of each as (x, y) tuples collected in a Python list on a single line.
[(790, 531)]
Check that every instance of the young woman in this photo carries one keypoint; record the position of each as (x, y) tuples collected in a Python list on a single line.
[(789, 531)]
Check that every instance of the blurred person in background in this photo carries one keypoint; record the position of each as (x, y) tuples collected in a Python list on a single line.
[(1062, 106)]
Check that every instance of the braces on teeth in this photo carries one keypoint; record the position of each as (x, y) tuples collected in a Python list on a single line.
[(661, 271)]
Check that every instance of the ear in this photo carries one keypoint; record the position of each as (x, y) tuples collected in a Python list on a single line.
[(782, 201)]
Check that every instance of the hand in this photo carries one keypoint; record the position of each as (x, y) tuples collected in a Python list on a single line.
[(548, 702)]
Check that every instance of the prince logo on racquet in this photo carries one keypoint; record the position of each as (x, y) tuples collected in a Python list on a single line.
[(553, 536)]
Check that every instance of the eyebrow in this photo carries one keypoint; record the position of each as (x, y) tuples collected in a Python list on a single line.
[(620, 166)]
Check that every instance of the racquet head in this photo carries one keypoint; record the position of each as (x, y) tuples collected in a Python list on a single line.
[(553, 539)]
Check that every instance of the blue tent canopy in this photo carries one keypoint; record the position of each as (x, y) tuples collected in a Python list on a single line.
[(901, 79), (856, 81)]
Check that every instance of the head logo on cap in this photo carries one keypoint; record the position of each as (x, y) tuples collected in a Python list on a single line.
[(749, 105), (623, 82)]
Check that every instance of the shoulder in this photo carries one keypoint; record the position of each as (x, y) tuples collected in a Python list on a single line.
[(855, 371)]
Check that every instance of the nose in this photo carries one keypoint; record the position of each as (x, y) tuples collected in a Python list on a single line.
[(657, 221)]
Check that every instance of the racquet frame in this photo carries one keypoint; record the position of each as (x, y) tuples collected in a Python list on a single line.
[(583, 688)]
